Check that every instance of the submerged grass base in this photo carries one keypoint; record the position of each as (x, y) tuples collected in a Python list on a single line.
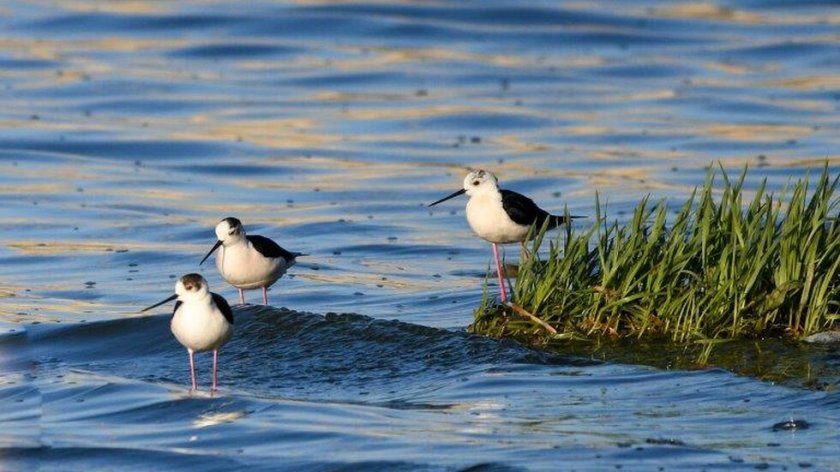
[(777, 360), (718, 270)]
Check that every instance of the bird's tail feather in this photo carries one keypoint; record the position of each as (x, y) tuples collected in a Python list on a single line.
[(558, 220)]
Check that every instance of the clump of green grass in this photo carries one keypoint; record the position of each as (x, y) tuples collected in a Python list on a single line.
[(720, 269)]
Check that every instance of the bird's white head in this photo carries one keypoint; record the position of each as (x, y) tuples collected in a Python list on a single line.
[(230, 231), (191, 287), (476, 182), (480, 181), (187, 288)]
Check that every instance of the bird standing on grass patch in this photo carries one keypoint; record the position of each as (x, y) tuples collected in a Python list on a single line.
[(500, 216), (202, 320), (246, 261)]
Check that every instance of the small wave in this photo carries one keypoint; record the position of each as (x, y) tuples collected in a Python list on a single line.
[(278, 351)]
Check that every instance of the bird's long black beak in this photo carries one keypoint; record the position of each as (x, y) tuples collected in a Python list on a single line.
[(459, 192), (173, 297), (215, 246)]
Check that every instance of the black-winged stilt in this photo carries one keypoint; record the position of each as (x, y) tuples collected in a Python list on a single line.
[(248, 261), (202, 320), (500, 216)]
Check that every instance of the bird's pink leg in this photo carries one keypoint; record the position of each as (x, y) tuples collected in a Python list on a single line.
[(525, 252), (215, 363), (500, 273), (265, 296), (192, 371), (241, 296)]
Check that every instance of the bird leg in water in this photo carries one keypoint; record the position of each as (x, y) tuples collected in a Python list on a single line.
[(215, 362), (265, 296), (525, 254), (241, 296), (500, 270), (192, 371)]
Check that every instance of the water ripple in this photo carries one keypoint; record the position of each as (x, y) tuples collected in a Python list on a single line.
[(130, 128)]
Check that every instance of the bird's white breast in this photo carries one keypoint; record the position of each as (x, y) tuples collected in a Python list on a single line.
[(488, 219), (244, 267), (199, 326)]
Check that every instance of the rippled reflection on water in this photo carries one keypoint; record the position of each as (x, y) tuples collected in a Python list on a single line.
[(129, 128)]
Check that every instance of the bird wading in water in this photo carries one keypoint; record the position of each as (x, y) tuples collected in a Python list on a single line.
[(249, 261), (202, 320), (500, 216)]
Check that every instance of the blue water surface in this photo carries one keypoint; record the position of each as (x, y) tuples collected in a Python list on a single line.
[(128, 129)]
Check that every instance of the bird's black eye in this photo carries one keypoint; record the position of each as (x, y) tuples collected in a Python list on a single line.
[(476, 182), (232, 232)]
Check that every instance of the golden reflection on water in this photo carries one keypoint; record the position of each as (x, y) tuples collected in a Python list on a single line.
[(810, 82), (707, 11), (815, 163), (393, 56), (46, 49), (125, 7), (637, 179), (53, 124), (7, 291), (52, 248), (338, 96), (365, 279), (24, 307), (717, 12), (734, 68), (646, 95), (299, 215), (42, 189), (216, 418), (441, 111), (293, 133), (756, 133)]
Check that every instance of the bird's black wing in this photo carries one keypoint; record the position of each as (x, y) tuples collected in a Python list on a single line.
[(269, 248), (523, 211), (178, 303), (223, 306)]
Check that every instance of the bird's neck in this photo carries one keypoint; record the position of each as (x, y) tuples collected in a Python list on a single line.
[(236, 242), (198, 298), (485, 198)]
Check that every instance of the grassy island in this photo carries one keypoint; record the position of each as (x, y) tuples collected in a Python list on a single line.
[(721, 267)]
